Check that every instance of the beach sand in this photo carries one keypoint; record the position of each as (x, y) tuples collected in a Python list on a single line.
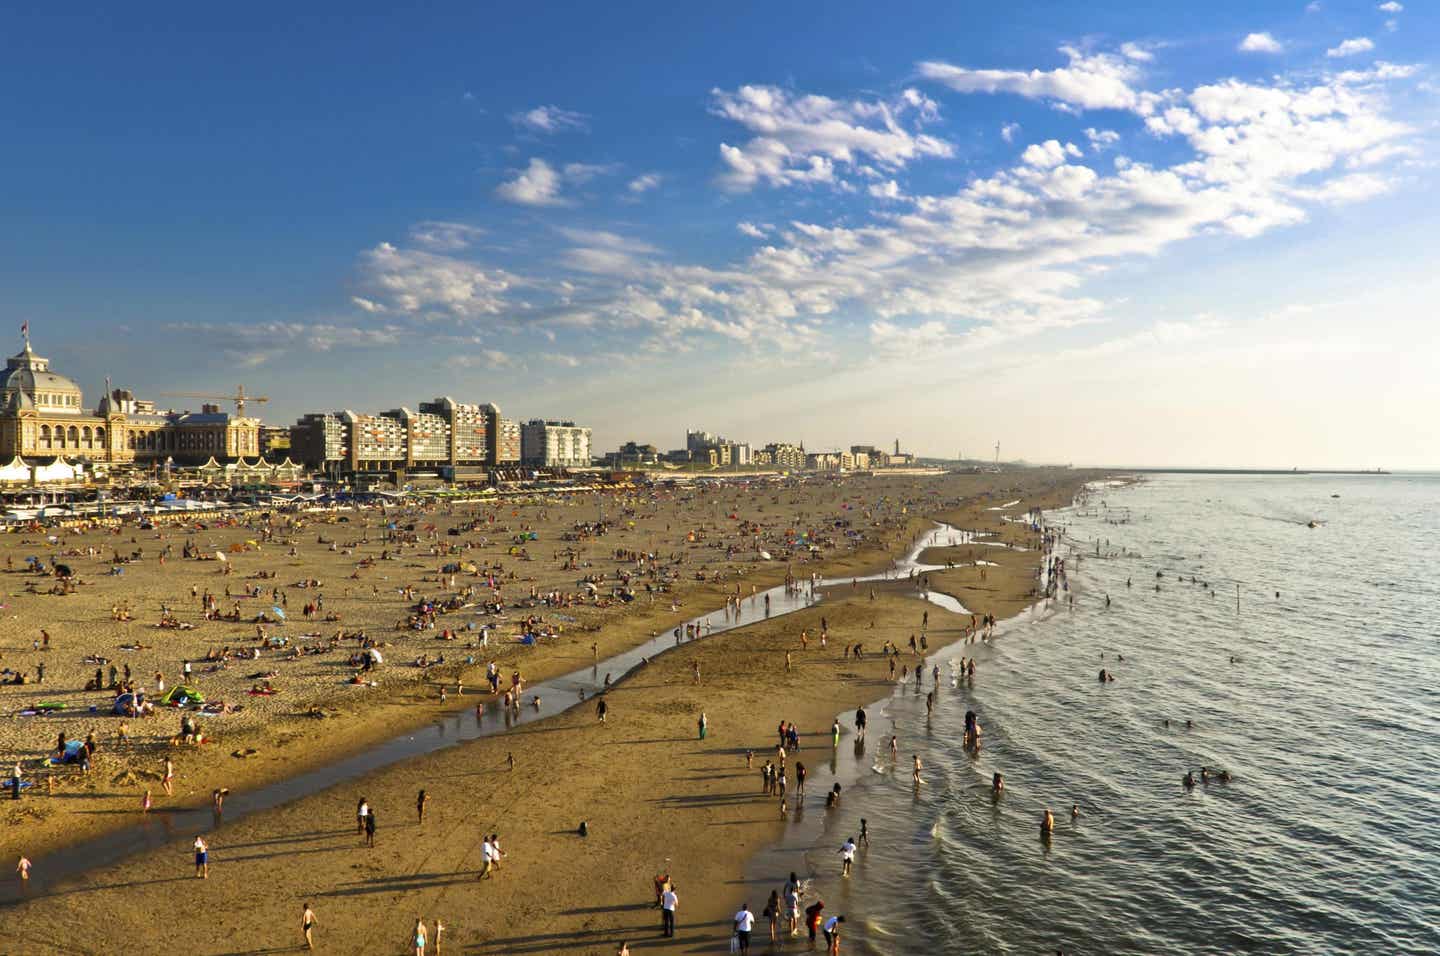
[(648, 789)]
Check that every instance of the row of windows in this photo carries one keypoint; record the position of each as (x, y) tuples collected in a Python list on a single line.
[(72, 437), (55, 398), (160, 440)]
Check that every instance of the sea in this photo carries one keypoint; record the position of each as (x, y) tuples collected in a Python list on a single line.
[(1282, 629)]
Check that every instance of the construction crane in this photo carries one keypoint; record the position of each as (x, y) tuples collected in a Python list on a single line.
[(239, 398)]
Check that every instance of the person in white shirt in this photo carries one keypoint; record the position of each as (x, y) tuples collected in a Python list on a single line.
[(832, 935), (487, 858), (744, 923), (668, 902), (847, 856)]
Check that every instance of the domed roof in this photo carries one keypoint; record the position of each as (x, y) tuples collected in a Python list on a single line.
[(29, 375)]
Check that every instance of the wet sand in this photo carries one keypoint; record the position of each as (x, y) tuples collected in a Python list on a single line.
[(647, 788)]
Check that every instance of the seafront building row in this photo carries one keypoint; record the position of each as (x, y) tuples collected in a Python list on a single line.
[(47, 435)]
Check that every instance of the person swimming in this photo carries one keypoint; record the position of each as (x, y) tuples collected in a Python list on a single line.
[(997, 784)]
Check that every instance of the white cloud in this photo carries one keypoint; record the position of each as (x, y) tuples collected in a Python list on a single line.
[(549, 119), (584, 172), (1134, 51), (536, 185), (1090, 81), (541, 184), (1101, 139), (909, 342), (644, 183), (1353, 188), (1313, 6), (1008, 255), (367, 305), (889, 189), (1352, 47), (1048, 154), (807, 139), (1008, 131), (1260, 43), (444, 236), (485, 358), (1391, 7), (419, 282)]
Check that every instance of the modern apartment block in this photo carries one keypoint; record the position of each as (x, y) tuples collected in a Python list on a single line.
[(443, 434), (554, 444)]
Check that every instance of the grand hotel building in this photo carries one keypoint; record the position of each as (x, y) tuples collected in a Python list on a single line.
[(42, 415)]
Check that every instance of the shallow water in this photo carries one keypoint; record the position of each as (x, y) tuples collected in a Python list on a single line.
[(1329, 721)]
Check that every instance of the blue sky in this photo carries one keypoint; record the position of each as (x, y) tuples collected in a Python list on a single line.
[(1094, 232)]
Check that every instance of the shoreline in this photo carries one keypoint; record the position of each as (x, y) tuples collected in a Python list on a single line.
[(734, 654)]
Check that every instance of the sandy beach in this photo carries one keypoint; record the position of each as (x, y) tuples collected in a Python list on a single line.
[(647, 788)]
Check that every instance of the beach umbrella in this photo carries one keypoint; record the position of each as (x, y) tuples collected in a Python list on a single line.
[(277, 611)]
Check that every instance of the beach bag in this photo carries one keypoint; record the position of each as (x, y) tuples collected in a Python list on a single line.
[(735, 943)]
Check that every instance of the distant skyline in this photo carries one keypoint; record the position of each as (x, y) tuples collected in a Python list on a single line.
[(1098, 233)]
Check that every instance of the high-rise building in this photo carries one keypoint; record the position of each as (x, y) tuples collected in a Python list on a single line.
[(786, 455), (554, 444)]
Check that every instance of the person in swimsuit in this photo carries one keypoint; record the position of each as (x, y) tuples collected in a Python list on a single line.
[(307, 926), (418, 936), (202, 858)]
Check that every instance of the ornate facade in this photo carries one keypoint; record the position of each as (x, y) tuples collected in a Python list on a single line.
[(42, 415)]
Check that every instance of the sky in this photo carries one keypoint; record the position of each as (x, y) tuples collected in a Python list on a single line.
[(1099, 233)]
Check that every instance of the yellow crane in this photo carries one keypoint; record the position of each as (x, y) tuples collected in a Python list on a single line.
[(239, 398)]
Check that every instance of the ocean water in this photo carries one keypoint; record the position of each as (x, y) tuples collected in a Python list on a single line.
[(1327, 837)]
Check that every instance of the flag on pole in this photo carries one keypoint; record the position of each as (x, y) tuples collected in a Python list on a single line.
[(25, 328)]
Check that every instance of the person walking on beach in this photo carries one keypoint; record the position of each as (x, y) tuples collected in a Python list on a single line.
[(860, 723), (417, 936), (487, 861), (202, 858), (668, 902), (307, 926), (168, 780), (370, 828), (362, 810), (744, 923), (439, 931), (847, 856), (704, 725), (23, 870), (832, 935), (420, 801), (601, 709)]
